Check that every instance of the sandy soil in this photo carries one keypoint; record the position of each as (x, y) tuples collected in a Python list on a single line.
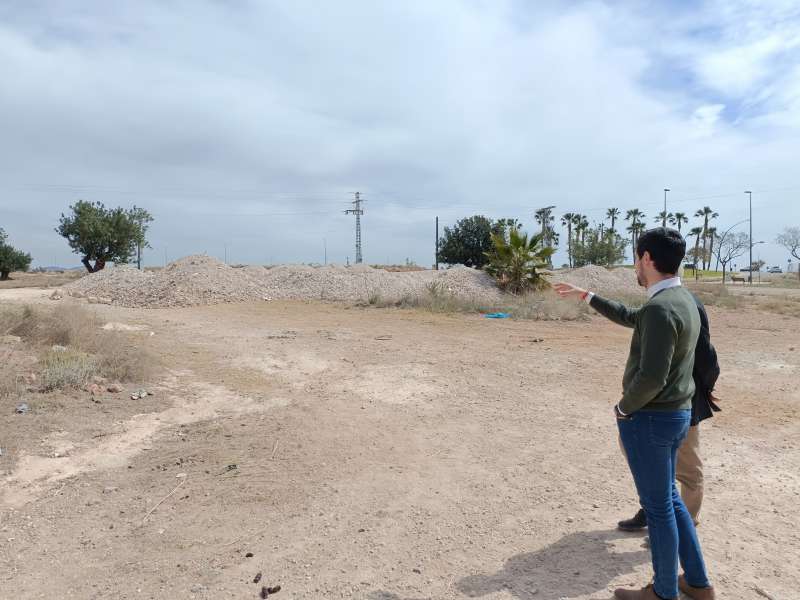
[(385, 455), (44, 280)]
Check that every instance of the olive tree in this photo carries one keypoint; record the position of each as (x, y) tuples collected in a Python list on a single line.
[(11, 259), (103, 235)]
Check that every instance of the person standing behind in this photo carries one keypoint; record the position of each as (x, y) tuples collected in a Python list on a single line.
[(689, 471), (654, 414)]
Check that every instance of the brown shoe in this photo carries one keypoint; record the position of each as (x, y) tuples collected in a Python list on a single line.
[(694, 593), (646, 593)]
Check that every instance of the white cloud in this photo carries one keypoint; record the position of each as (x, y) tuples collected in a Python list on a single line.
[(737, 70), (706, 117), (442, 108)]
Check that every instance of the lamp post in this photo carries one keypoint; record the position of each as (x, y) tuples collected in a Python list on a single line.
[(750, 194), (664, 222)]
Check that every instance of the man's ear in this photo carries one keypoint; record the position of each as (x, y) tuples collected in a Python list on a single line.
[(646, 259)]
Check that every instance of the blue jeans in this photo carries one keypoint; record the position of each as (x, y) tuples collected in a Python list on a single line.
[(651, 440)]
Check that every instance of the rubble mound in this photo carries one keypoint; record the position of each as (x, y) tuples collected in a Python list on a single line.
[(190, 281), (602, 280), (199, 280)]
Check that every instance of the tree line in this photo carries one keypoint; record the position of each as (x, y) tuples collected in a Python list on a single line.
[(101, 235), (471, 240)]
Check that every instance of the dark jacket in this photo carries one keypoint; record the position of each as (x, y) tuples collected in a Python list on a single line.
[(706, 371)]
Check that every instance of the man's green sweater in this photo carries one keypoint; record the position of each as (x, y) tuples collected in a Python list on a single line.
[(658, 375)]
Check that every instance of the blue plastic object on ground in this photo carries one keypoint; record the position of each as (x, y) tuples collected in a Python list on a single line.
[(497, 315)]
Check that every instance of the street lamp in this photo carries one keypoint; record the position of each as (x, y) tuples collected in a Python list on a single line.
[(750, 194), (664, 223)]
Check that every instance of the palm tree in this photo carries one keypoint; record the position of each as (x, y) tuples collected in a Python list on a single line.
[(664, 216), (679, 219), (640, 229), (697, 232), (636, 230), (712, 234), (635, 216), (517, 262), (705, 213), (544, 216), (613, 214), (567, 219), (577, 218), (584, 226)]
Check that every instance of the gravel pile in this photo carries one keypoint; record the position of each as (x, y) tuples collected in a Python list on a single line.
[(602, 280), (121, 281), (199, 280), (362, 283), (190, 281)]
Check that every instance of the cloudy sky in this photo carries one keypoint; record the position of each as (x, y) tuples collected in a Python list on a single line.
[(247, 125)]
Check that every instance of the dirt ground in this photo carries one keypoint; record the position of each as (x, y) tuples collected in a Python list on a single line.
[(387, 455), (43, 280)]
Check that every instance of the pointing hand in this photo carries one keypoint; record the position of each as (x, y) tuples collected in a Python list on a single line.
[(567, 290)]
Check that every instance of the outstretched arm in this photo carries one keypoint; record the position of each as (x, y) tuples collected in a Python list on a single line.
[(614, 311)]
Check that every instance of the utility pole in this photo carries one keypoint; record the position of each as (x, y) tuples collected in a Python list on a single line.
[(664, 222), (325, 250), (357, 211), (436, 251), (750, 272), (226, 254)]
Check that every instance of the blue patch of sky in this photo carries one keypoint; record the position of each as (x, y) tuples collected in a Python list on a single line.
[(671, 75)]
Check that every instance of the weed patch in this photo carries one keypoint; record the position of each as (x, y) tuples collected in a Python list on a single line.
[(72, 347)]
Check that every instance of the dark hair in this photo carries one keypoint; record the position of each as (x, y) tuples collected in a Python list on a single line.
[(666, 247)]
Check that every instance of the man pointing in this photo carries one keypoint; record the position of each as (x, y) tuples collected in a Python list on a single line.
[(653, 415)]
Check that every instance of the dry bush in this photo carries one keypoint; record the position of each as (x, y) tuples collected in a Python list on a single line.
[(716, 295), (65, 325), (631, 299), (122, 358), (113, 355), (547, 306), (12, 384), (542, 305), (66, 369), (786, 280), (437, 298), (785, 305)]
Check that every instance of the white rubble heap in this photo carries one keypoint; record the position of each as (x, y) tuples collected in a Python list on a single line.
[(200, 280)]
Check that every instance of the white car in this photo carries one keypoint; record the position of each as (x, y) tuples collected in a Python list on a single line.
[(774, 270)]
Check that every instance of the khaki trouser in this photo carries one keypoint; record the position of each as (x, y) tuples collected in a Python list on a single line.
[(689, 472)]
